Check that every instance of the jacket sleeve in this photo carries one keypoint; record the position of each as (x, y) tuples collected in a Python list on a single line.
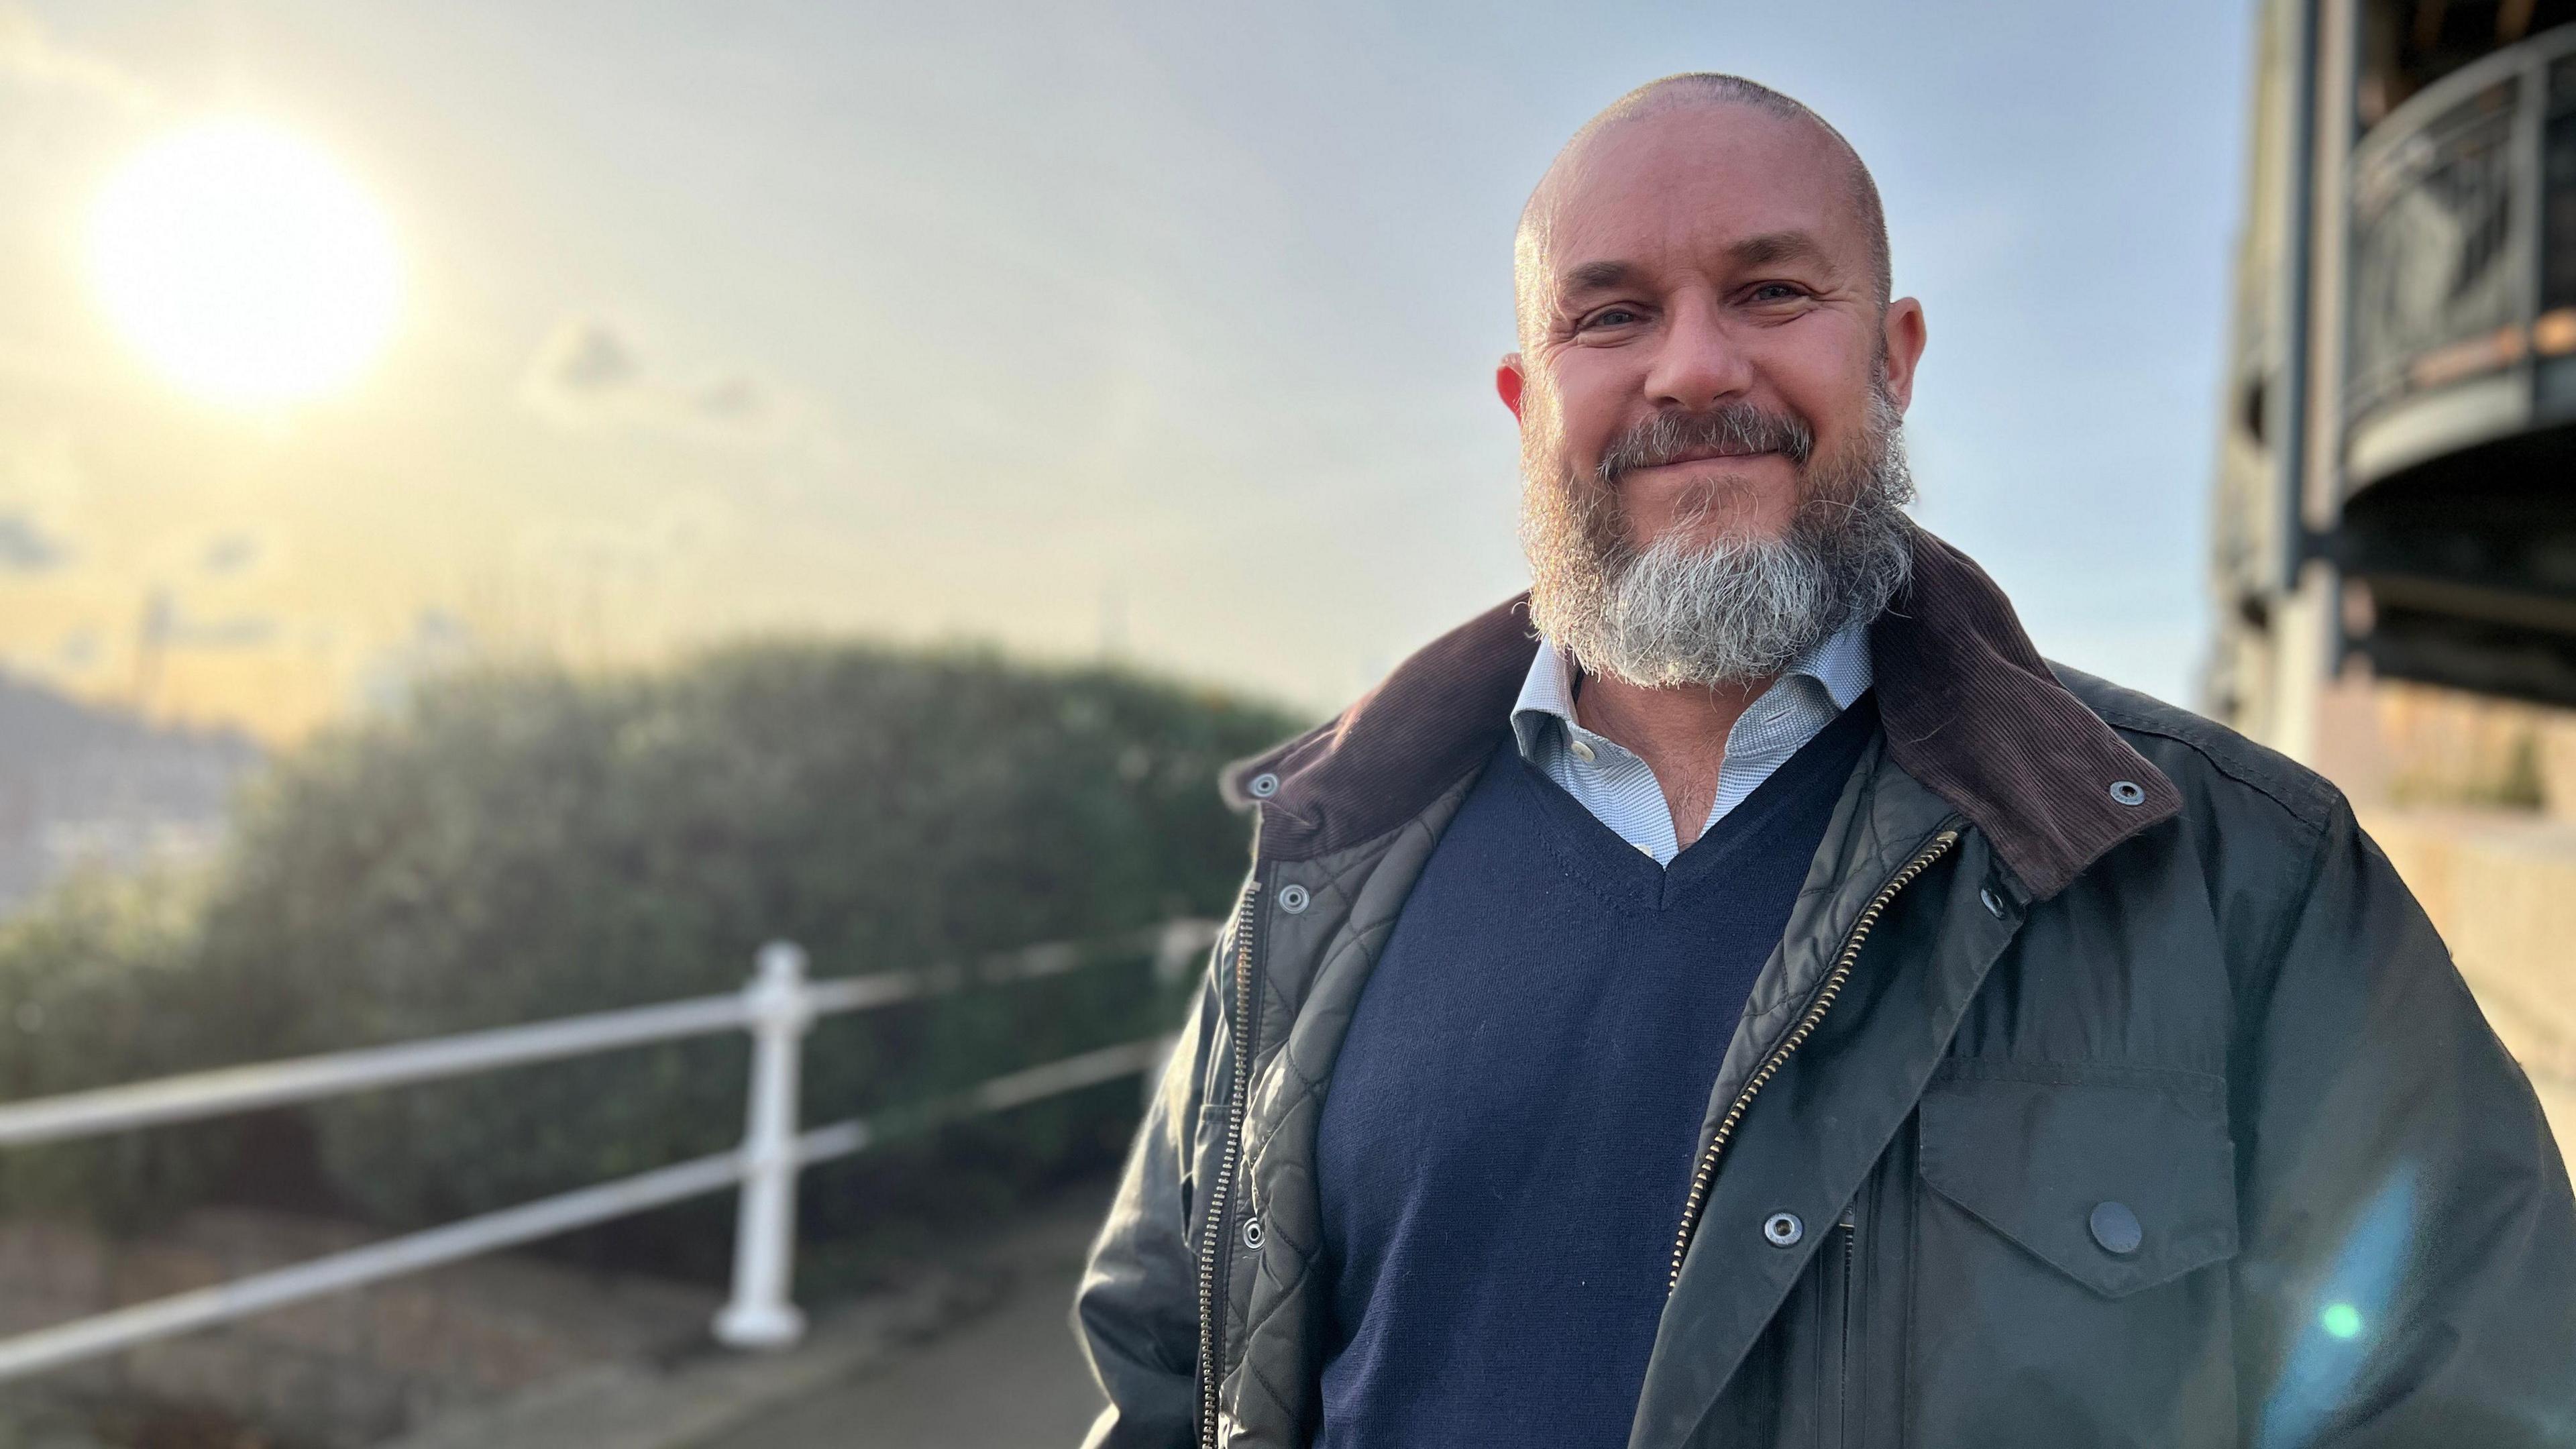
[(2407, 1273), (1136, 1311)]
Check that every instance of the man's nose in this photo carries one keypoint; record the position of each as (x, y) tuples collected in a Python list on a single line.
[(1697, 364)]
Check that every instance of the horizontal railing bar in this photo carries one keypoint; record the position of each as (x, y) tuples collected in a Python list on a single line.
[(997, 1094), (1067, 1074), (195, 1095), (860, 993), (124, 1328), (301, 1079)]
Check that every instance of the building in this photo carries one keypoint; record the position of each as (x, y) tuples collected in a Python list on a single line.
[(83, 786), (2397, 472), (2395, 524)]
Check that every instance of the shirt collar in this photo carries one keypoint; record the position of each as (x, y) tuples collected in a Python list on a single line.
[(1839, 662)]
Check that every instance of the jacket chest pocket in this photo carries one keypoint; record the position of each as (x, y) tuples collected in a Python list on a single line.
[(2071, 1231)]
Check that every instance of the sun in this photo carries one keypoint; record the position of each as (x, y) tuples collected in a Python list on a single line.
[(245, 264)]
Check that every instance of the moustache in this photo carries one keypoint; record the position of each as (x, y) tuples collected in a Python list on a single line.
[(1735, 429)]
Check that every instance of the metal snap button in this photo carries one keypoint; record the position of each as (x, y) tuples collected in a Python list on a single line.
[(1293, 899), (1994, 904), (1263, 785), (2128, 792), (2116, 1229), (1783, 1230), (1252, 1234)]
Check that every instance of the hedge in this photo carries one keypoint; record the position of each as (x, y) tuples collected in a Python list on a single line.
[(526, 843)]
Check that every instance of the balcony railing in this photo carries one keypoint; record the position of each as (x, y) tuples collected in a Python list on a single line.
[(2462, 322)]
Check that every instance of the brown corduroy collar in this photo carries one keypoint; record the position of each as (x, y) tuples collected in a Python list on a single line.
[(1969, 709)]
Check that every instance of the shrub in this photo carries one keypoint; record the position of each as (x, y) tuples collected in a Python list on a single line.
[(98, 986), (530, 843)]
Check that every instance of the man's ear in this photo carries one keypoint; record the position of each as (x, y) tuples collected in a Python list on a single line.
[(1903, 331), (1508, 381)]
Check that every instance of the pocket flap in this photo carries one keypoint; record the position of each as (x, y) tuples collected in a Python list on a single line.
[(2077, 1163)]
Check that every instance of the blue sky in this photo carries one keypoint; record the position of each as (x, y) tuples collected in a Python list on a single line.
[(1166, 324)]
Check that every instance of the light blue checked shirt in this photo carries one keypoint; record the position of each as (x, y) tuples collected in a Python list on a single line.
[(1619, 788)]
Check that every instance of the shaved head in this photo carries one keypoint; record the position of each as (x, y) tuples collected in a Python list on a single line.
[(1692, 90)]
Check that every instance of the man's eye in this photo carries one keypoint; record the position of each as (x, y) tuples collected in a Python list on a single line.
[(1776, 292), (1613, 317)]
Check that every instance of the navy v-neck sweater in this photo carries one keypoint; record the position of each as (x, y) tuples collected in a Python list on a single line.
[(1508, 1136)]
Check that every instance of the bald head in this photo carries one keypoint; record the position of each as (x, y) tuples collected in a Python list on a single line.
[(1693, 94)]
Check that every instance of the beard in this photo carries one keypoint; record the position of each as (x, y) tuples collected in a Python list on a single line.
[(1729, 611)]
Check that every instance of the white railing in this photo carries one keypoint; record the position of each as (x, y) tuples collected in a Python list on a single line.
[(777, 1007)]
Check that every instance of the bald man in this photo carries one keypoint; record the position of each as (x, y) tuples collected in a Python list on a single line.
[(1737, 994)]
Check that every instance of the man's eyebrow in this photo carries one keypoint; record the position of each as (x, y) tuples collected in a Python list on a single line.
[(1599, 277), (1773, 248)]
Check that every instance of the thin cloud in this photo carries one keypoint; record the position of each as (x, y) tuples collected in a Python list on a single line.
[(79, 650), (26, 549), (246, 631), (438, 642), (230, 554), (586, 357), (592, 372), (734, 398), (29, 54), (167, 626)]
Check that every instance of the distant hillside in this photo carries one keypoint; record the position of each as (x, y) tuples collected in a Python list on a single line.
[(79, 783)]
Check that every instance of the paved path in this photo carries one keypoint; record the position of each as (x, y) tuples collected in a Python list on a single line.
[(1010, 1376)]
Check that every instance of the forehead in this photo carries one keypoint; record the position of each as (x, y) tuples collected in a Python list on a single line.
[(1681, 188)]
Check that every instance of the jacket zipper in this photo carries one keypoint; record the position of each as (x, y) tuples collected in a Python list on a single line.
[(1849, 1230), (1797, 1038), (1214, 1254)]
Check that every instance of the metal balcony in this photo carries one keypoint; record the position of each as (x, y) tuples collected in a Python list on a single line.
[(2459, 425)]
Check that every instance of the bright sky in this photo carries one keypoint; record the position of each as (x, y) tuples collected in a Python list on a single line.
[(1161, 328)]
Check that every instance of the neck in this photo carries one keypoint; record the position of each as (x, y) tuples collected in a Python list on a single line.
[(1680, 733)]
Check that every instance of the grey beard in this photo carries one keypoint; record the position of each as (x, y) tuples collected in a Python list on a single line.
[(1686, 613)]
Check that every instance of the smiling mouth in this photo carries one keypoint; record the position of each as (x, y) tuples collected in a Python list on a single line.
[(1711, 455)]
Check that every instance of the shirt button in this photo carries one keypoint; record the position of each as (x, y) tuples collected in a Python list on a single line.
[(1582, 751)]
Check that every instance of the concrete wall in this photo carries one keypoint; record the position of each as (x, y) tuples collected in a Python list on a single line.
[(2501, 887)]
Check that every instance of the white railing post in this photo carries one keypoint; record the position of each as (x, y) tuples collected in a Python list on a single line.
[(1177, 947), (764, 1245)]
